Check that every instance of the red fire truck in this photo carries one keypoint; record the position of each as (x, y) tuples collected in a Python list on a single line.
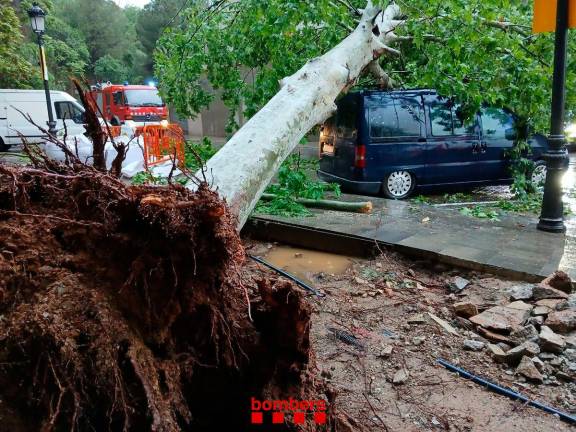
[(136, 103)]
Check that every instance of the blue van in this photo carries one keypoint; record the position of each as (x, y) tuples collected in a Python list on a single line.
[(393, 143)]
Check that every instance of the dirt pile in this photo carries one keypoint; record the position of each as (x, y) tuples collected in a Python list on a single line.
[(123, 308)]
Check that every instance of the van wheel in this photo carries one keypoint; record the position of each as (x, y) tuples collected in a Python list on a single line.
[(115, 121), (538, 176), (4, 147), (398, 185)]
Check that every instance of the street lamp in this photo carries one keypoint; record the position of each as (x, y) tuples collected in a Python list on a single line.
[(552, 216), (37, 22)]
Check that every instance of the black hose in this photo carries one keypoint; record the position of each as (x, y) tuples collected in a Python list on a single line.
[(289, 276), (506, 392)]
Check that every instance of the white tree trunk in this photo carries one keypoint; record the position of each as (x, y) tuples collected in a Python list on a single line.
[(244, 166)]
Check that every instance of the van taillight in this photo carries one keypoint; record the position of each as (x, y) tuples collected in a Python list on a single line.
[(360, 159)]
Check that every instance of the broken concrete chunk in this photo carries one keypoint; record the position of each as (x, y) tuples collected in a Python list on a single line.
[(550, 341), (418, 340), (497, 353), (536, 321), (541, 310), (386, 351), (547, 292), (562, 321), (400, 377), (417, 319), (494, 337), (521, 292), (443, 324), (458, 283), (559, 280), (538, 363), (503, 318), (527, 369), (523, 334), (465, 309), (473, 345), (526, 349), (551, 303), (569, 303)]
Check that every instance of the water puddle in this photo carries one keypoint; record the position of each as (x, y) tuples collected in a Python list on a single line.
[(305, 263)]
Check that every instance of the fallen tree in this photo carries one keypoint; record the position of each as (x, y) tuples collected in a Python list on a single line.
[(241, 170)]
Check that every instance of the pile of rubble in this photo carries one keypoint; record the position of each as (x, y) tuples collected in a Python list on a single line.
[(535, 332)]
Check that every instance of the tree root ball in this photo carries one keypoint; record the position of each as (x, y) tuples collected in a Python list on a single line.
[(123, 309)]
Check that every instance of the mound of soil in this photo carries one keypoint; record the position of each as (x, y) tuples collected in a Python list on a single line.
[(122, 308)]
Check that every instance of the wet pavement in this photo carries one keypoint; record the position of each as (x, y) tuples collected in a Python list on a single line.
[(510, 246)]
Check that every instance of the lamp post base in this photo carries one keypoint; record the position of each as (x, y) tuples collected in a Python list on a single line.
[(552, 225)]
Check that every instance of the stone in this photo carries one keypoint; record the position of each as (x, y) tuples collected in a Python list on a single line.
[(550, 341), (527, 369), (458, 283), (526, 333), (559, 280), (551, 303), (547, 356), (526, 349), (538, 363), (417, 319), (536, 321), (465, 309), (562, 321), (473, 345), (400, 377), (494, 337), (521, 292), (541, 310), (497, 353), (418, 340), (571, 340), (564, 376), (569, 303), (447, 327), (547, 292), (386, 351), (503, 318), (557, 361)]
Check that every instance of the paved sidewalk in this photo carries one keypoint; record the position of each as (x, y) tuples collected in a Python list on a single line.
[(511, 247)]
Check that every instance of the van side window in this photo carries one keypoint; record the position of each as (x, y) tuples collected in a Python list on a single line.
[(398, 117), (495, 122), (446, 120), (68, 111)]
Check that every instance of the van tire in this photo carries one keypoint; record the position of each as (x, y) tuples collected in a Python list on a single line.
[(4, 147), (115, 121), (398, 185), (538, 174)]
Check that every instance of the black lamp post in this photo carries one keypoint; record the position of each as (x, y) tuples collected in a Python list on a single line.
[(37, 21), (552, 216)]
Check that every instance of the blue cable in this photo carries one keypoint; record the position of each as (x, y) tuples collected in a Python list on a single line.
[(506, 391)]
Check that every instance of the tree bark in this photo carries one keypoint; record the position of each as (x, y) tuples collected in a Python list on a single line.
[(347, 206), (244, 166)]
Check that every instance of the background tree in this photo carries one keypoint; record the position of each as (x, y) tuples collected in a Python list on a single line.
[(107, 68), (477, 51), (15, 70)]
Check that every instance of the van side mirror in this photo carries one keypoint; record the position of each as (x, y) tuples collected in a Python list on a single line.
[(511, 134)]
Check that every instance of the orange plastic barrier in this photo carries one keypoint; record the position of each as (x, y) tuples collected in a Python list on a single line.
[(162, 143)]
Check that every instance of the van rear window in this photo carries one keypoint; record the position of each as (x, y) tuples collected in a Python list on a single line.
[(398, 117)]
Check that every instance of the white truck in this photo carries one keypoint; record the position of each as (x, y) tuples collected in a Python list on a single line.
[(65, 108)]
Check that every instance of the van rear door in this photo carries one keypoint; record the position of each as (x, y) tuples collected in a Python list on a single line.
[(338, 139)]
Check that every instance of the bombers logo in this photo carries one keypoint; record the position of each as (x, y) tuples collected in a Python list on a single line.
[(292, 410)]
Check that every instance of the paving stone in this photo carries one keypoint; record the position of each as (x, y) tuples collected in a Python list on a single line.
[(503, 318), (562, 321), (527, 369), (559, 280), (550, 341), (521, 292), (473, 345), (546, 292), (465, 309)]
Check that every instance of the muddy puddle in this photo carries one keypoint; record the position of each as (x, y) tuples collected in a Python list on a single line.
[(305, 263)]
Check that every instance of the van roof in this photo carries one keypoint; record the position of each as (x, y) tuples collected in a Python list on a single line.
[(30, 91), (397, 92)]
